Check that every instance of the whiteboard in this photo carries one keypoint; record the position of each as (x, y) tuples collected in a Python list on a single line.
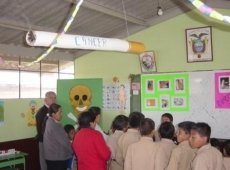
[(202, 106)]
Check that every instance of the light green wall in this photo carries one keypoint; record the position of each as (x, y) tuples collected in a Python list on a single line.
[(167, 39), (14, 125)]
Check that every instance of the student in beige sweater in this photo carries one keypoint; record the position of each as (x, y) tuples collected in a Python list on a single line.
[(141, 155), (131, 136), (207, 156), (183, 154), (164, 146)]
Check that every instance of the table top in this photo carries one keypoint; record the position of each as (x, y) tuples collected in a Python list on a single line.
[(12, 156)]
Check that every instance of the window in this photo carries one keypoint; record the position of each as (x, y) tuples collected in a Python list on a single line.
[(33, 81)]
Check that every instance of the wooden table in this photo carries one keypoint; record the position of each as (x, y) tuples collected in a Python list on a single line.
[(13, 159)]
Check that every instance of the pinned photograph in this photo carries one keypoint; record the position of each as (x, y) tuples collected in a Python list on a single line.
[(164, 85), (179, 84), (178, 102), (149, 86), (164, 102), (151, 102), (224, 84)]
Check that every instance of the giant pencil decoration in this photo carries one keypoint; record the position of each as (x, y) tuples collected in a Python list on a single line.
[(68, 41)]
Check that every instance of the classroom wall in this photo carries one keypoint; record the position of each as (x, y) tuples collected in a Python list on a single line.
[(14, 125), (167, 39)]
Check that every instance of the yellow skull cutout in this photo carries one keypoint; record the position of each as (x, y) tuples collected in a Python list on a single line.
[(80, 98)]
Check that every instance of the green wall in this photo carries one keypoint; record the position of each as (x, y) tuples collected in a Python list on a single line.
[(167, 39)]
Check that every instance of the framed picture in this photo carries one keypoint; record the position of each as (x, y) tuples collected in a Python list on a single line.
[(147, 61), (199, 44)]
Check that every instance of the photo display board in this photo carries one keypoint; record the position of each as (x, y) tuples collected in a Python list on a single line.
[(165, 92)]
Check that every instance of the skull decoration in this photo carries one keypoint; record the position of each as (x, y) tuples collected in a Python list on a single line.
[(80, 98)]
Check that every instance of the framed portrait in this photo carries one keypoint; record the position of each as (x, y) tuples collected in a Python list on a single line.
[(199, 44), (147, 62)]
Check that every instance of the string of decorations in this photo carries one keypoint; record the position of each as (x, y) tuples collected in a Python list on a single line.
[(55, 41), (208, 11)]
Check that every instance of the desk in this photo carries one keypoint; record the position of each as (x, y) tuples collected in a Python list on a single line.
[(13, 159)]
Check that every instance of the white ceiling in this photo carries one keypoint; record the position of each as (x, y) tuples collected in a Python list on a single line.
[(103, 18)]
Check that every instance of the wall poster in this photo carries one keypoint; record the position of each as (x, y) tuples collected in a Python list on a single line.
[(222, 90), (165, 92), (116, 97)]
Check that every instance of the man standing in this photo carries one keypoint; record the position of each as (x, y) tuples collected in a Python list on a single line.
[(50, 98)]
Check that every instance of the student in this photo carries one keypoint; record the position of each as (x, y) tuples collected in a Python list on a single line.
[(97, 112), (50, 98), (207, 156), (165, 145), (166, 117), (70, 131), (131, 136), (141, 155), (119, 126), (57, 147), (183, 154), (226, 151), (89, 145)]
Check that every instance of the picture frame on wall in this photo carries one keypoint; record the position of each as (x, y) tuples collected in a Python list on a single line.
[(147, 62), (199, 44)]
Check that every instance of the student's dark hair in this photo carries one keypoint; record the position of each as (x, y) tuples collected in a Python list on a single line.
[(227, 147), (147, 126), (85, 118), (53, 108), (166, 130), (120, 122), (186, 126), (135, 119), (203, 129), (95, 110), (68, 128), (168, 115), (215, 143)]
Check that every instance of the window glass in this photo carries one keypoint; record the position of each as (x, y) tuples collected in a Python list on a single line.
[(66, 67), (49, 82), (49, 66), (30, 84), (66, 76), (9, 84)]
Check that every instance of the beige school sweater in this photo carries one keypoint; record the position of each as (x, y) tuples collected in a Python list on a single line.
[(181, 157), (141, 155), (112, 143), (164, 150), (207, 158), (128, 138)]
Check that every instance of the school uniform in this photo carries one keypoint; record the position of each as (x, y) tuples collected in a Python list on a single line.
[(207, 158), (227, 163), (181, 157), (165, 147), (156, 136), (141, 155), (128, 138), (112, 143)]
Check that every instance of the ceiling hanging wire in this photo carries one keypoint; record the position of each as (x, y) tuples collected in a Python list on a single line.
[(125, 15)]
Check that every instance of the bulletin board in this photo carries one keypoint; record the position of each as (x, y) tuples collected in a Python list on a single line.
[(208, 99), (165, 92)]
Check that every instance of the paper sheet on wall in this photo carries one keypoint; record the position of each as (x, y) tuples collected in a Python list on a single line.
[(116, 97)]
